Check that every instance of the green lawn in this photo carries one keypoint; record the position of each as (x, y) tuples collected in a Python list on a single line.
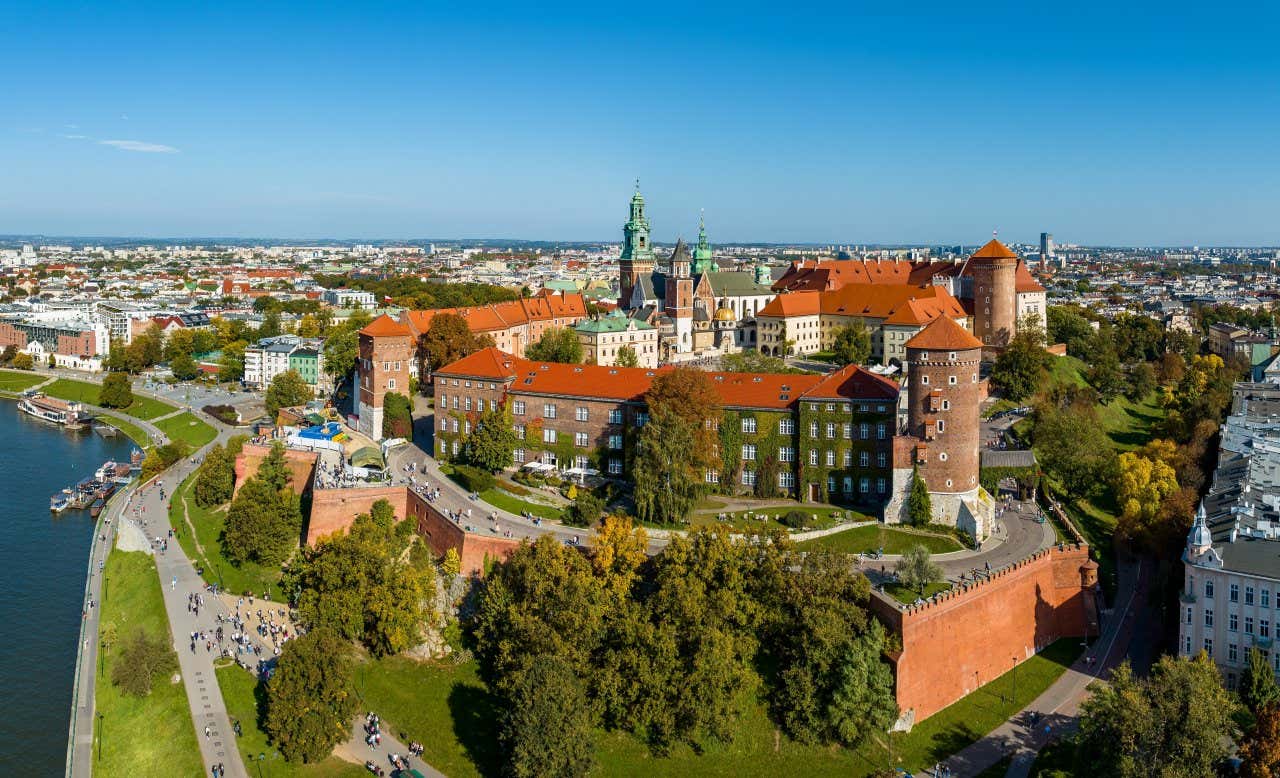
[(244, 698), (144, 408), (151, 736), (218, 569), (136, 434), (749, 521), (18, 381), (445, 707), (892, 539), (185, 426), (512, 504)]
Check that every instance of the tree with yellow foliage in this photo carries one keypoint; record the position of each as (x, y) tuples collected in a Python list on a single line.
[(1141, 486), (619, 552)]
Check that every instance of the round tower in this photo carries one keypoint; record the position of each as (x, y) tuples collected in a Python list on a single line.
[(942, 410), (995, 297)]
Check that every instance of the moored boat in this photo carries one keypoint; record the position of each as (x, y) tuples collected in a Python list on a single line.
[(69, 414), (96, 507)]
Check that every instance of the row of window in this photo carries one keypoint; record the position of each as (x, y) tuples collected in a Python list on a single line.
[(1233, 623), (445, 401), (1233, 653), (613, 465), (788, 427), (787, 480), (1233, 594)]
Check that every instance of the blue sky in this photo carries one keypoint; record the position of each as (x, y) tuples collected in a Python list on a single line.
[(846, 124)]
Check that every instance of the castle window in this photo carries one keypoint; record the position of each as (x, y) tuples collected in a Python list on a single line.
[(881, 459), (786, 454), (549, 411), (748, 478), (548, 436), (946, 405), (749, 452), (880, 431), (519, 430), (580, 439), (466, 428), (880, 485), (848, 458), (1248, 595), (924, 355), (615, 466), (517, 407), (942, 426), (1233, 593), (942, 456), (948, 483), (864, 430), (846, 430), (1208, 588), (581, 413), (951, 380), (615, 442), (952, 356), (518, 456), (831, 459), (864, 485), (786, 480), (831, 430), (813, 429), (391, 383), (615, 416), (924, 379), (749, 425), (786, 427), (864, 459), (813, 457), (467, 402)]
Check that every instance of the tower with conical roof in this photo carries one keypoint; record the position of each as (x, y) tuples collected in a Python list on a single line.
[(702, 260), (995, 315), (636, 259)]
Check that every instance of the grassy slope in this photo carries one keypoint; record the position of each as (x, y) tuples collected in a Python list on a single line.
[(208, 526), (136, 434), (144, 408), (243, 696), (446, 707), (741, 523), (872, 537), (18, 381), (152, 736), (185, 426)]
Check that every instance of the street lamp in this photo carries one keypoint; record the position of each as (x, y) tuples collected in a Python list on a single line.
[(260, 758), (1015, 680), (99, 736)]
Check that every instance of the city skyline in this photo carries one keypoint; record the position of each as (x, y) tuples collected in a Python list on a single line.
[(847, 126)]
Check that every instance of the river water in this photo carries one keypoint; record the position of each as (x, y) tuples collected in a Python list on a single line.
[(43, 561)]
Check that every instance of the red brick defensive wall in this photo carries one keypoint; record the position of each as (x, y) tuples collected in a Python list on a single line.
[(978, 631), (302, 464), (334, 510)]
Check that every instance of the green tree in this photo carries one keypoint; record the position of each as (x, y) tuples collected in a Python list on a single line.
[(1104, 374), (756, 362), (215, 480), (492, 443), (342, 345), (287, 390), (627, 357), (1141, 383), (451, 565), (1258, 687), (270, 325), (919, 504), (677, 446), (916, 569), (1072, 445), (1070, 325), (557, 344), (852, 345), (397, 416), (265, 518), (1021, 367), (231, 363), (311, 698), (7, 356), (585, 511), (184, 367), (142, 660), (447, 339), (548, 725), (116, 391), (1171, 724)]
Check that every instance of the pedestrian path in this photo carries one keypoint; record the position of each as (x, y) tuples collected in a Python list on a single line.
[(358, 751)]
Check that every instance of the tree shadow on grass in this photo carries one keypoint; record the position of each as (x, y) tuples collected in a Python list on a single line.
[(475, 714)]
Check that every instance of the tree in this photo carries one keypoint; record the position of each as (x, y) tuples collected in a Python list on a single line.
[(367, 584), (23, 361), (1073, 446), (1141, 485), (231, 363), (451, 565), (916, 569), (1171, 724), (1142, 382), (1260, 747), (184, 367), (919, 504), (619, 552), (287, 390), (309, 326), (676, 448), (1069, 325), (265, 518), (270, 325), (1020, 368), (397, 416), (116, 391), (1258, 687), (852, 345), (1105, 375), (447, 339), (142, 660), (627, 357), (311, 698), (547, 727), (215, 480), (557, 344), (492, 443), (585, 511), (342, 345)]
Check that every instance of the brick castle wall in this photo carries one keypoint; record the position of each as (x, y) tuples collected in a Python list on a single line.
[(333, 510), (969, 637), (301, 463)]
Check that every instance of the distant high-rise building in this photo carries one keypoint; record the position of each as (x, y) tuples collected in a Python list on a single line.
[(1046, 248)]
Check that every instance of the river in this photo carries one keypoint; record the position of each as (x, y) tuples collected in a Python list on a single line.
[(43, 561)]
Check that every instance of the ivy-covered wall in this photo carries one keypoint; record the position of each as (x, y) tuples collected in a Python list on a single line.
[(815, 436), (768, 441)]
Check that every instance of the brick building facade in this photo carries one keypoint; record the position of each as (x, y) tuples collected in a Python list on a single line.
[(387, 349)]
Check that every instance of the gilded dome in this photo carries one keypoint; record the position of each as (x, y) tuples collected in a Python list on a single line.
[(725, 314)]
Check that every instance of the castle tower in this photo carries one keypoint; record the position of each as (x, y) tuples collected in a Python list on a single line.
[(702, 259), (636, 259), (942, 415), (678, 300), (995, 304), (386, 350)]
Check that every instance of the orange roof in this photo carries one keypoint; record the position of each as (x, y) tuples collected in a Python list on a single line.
[(384, 326), (500, 316), (1023, 281), (853, 382), (944, 335), (894, 303), (994, 249), (793, 304), (747, 390)]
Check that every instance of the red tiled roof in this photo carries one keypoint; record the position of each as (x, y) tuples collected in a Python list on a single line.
[(1023, 281), (853, 382), (805, 303), (499, 316), (384, 326), (894, 303), (944, 335), (994, 249)]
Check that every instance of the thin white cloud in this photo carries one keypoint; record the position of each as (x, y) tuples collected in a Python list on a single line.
[(137, 145), (73, 137), (72, 126)]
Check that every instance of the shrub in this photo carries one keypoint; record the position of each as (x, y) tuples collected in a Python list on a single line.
[(585, 511), (142, 660), (223, 413), (795, 519), (473, 479)]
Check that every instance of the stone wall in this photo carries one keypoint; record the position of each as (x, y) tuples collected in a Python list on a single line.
[(333, 510), (970, 636)]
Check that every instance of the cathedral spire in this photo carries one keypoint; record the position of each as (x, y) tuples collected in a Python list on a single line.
[(702, 259)]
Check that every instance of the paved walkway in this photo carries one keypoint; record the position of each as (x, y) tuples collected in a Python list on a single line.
[(1053, 713), (357, 750)]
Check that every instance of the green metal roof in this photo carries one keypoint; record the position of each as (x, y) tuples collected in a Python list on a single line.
[(614, 321)]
